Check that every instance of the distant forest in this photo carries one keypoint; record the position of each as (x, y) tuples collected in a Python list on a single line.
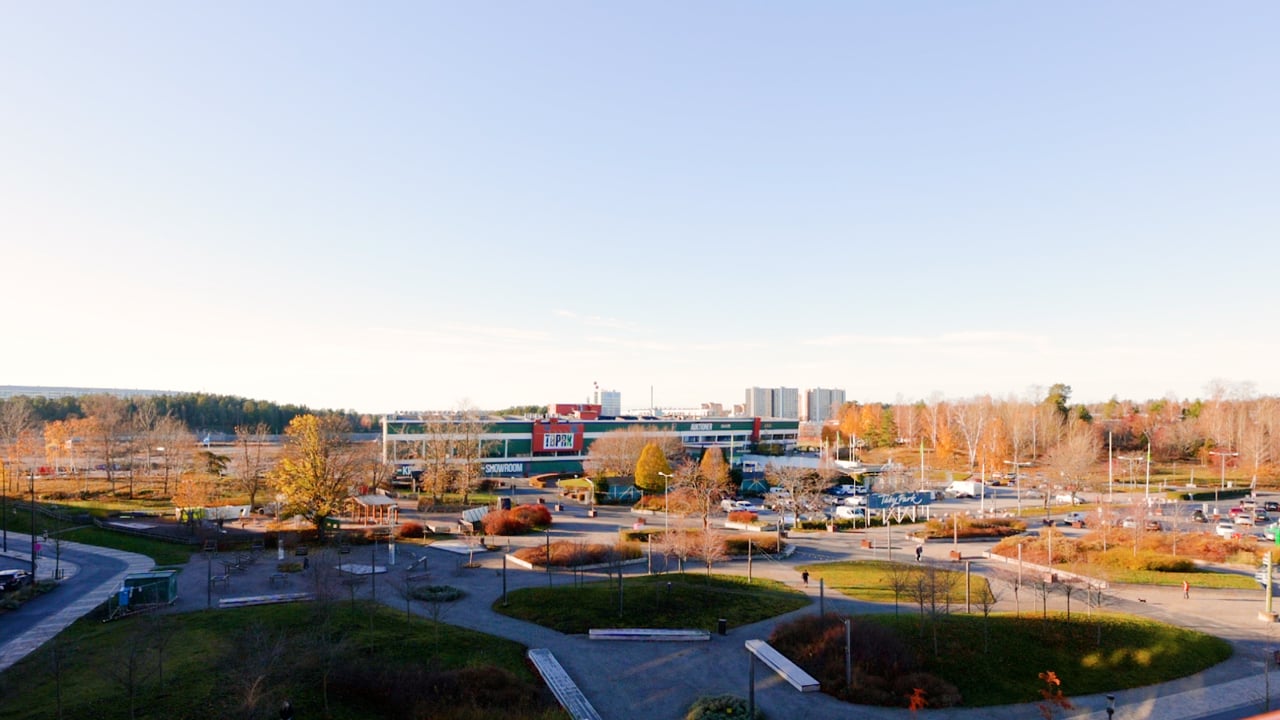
[(199, 411)]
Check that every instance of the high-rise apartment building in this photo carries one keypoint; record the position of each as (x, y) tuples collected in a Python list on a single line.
[(819, 404), (610, 402), (773, 402)]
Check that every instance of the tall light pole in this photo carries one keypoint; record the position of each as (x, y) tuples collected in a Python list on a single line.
[(666, 504), (1223, 478), (31, 479)]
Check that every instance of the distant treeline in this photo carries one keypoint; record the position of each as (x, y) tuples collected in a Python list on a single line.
[(199, 411)]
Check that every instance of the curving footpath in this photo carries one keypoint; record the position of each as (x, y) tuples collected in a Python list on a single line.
[(660, 680), (92, 573)]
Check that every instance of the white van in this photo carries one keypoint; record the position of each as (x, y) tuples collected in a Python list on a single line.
[(1072, 518), (847, 512)]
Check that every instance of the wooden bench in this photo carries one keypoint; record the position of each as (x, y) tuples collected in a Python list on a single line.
[(561, 685), (777, 662), (648, 634)]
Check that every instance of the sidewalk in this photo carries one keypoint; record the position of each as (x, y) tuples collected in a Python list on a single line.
[(661, 680), (77, 594)]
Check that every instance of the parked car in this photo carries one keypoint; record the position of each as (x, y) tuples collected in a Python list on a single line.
[(1225, 530), (14, 579), (1199, 516), (1153, 526), (846, 512), (1244, 519), (1260, 516), (1129, 523), (1271, 506), (1075, 517), (1233, 512), (738, 505)]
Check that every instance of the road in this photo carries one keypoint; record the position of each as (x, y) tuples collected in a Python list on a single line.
[(95, 572)]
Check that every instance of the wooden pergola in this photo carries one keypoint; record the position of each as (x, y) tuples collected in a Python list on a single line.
[(373, 509)]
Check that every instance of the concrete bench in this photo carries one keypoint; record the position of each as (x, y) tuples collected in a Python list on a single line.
[(648, 634), (264, 599), (777, 662), (561, 685)]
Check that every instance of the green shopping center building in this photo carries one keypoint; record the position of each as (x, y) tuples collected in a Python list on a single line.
[(523, 447)]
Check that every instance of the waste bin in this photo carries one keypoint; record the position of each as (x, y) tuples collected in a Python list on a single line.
[(559, 507), (722, 626), (504, 503)]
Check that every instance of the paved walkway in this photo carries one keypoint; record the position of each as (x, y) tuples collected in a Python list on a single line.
[(660, 680), (93, 573)]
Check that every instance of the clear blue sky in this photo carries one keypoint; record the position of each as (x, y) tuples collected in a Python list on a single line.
[(415, 205)]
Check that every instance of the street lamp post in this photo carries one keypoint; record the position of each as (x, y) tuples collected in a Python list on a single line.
[(1223, 478), (666, 503), (31, 480)]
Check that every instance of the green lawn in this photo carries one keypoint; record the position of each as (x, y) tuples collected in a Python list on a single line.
[(871, 580), (1133, 652), (1154, 577), (242, 663), (675, 600), (164, 553)]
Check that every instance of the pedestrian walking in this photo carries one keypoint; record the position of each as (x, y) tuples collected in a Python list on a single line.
[(805, 577), (1186, 589), (919, 552)]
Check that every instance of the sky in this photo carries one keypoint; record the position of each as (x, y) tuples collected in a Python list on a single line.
[(426, 205)]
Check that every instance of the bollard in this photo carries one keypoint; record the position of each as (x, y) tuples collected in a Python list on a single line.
[(722, 626)]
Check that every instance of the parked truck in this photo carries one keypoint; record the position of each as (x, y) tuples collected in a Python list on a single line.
[(964, 488)]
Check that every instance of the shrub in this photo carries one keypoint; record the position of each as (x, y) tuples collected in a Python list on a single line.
[(720, 707), (643, 535), (656, 503), (765, 543), (574, 554), (743, 516), (410, 530), (504, 522), (289, 567), (436, 593), (538, 516)]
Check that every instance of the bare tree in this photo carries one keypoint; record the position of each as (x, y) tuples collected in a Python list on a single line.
[(987, 599), (971, 418), (16, 419), (900, 577), (258, 651), (1074, 456), (615, 453), (711, 548), (109, 416), (251, 464), (469, 451), (174, 446), (703, 485)]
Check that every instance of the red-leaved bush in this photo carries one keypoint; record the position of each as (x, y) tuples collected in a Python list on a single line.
[(536, 515), (519, 520), (742, 516)]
